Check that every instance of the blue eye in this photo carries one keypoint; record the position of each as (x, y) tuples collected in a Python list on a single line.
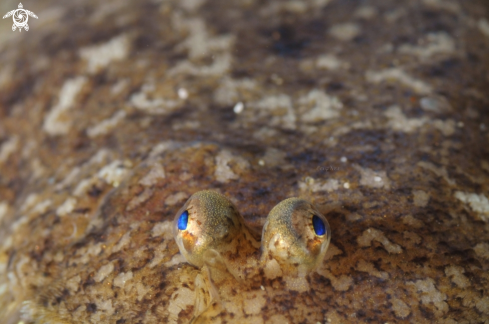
[(183, 221), (318, 224)]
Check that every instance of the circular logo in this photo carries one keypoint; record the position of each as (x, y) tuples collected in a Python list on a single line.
[(20, 18)]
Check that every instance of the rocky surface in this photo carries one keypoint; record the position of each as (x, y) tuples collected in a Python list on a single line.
[(113, 113)]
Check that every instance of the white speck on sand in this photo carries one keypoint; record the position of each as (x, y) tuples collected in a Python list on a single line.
[(137, 200), (122, 278), (153, 176), (439, 171), (330, 62), (176, 259), (429, 294), (67, 207), (103, 272), (231, 91), (321, 106), (274, 157), (368, 267), (328, 186), (224, 160), (106, 125), (398, 121), (125, 239), (482, 250), (435, 104), (119, 86), (238, 108), (172, 200), (278, 110), (400, 308), (345, 32), (372, 234), (8, 147), (431, 45), (157, 106), (421, 198), (162, 147), (373, 179), (400, 76), (56, 121), (182, 93), (341, 283), (73, 283), (478, 203), (114, 172), (199, 42), (457, 276), (163, 229), (483, 305), (99, 56)]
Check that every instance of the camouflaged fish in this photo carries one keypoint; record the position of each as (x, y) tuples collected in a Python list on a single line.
[(372, 113), (240, 278), (205, 265)]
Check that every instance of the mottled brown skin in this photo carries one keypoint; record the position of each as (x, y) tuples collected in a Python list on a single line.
[(289, 237), (214, 223), (374, 111), (218, 241), (230, 280)]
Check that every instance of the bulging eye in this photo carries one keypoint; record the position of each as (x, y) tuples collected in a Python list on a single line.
[(294, 239), (318, 225), (209, 222), (183, 221)]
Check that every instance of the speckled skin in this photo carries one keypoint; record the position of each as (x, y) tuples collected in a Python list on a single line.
[(113, 113), (218, 241), (289, 237), (215, 224)]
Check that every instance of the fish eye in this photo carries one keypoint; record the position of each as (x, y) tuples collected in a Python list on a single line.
[(295, 237), (318, 225), (183, 221), (208, 222)]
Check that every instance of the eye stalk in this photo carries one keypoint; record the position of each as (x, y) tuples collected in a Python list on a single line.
[(294, 239), (209, 223), (209, 231)]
